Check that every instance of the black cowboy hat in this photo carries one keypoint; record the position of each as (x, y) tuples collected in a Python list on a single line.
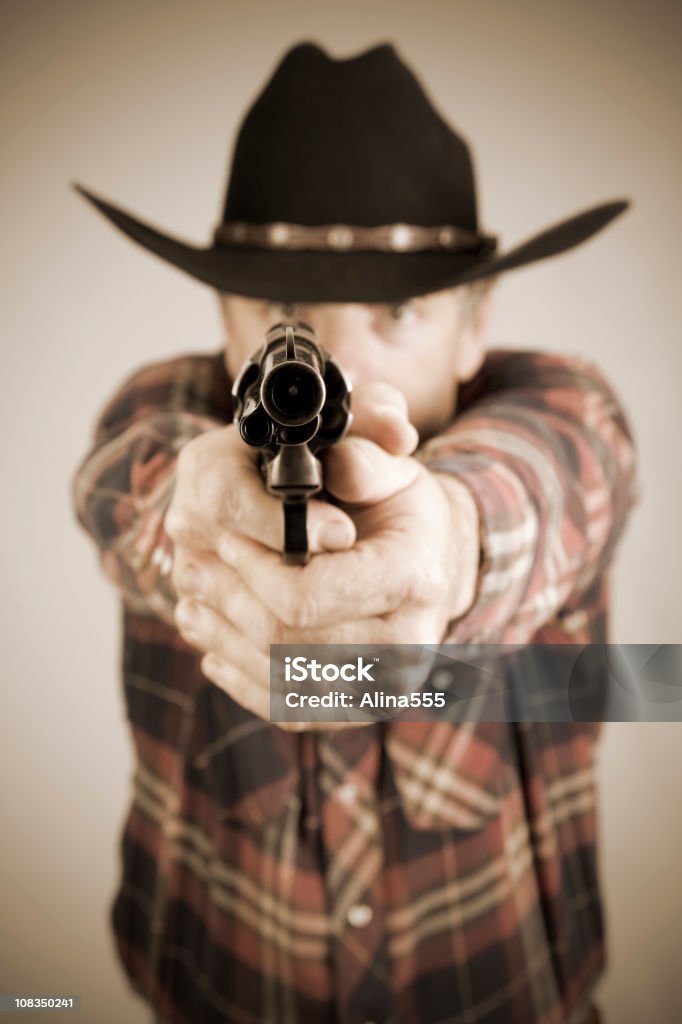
[(347, 185)]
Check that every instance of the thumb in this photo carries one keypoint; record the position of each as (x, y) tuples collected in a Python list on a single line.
[(357, 471)]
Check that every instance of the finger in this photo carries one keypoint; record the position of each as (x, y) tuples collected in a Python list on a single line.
[(238, 684), (219, 487), (184, 558), (329, 528), (204, 576), (330, 589), (260, 516), (357, 471), (252, 691), (208, 631), (380, 414), (217, 479), (241, 687)]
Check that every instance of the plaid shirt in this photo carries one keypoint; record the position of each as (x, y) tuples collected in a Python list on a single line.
[(400, 873)]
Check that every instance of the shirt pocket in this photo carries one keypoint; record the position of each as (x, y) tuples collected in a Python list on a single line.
[(450, 775)]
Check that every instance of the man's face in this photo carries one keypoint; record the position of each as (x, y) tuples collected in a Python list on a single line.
[(422, 347)]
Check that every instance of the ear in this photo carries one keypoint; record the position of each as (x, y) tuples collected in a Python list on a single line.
[(222, 308), (224, 314), (477, 307)]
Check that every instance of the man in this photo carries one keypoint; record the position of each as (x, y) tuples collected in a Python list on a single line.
[(403, 872)]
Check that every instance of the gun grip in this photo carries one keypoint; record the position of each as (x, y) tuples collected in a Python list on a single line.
[(295, 533)]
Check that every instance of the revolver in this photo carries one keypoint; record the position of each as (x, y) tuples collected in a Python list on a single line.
[(291, 400)]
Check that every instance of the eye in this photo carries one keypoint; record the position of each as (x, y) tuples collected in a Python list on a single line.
[(284, 310), (402, 313)]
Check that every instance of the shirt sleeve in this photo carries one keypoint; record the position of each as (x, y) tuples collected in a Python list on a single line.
[(545, 448), (122, 488)]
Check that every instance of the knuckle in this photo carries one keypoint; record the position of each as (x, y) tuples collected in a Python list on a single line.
[(176, 522), (207, 631), (429, 585), (278, 633), (259, 626), (202, 479), (299, 608), (394, 629), (215, 498), (187, 456), (176, 577)]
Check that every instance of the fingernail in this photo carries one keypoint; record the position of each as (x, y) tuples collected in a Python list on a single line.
[(210, 663), (191, 579), (335, 536), (401, 422), (186, 613), (413, 435), (392, 412)]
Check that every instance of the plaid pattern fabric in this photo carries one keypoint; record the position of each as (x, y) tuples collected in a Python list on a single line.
[(401, 873)]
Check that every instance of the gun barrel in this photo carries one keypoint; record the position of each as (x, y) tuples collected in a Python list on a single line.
[(292, 385), (292, 400), (293, 393)]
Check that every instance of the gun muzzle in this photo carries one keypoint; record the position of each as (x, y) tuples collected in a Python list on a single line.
[(291, 400), (293, 394), (292, 385)]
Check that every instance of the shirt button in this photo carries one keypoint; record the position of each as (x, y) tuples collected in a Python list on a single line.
[(347, 793), (441, 679), (359, 915)]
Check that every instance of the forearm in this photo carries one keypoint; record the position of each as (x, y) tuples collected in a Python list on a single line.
[(549, 460), (124, 485), (121, 492)]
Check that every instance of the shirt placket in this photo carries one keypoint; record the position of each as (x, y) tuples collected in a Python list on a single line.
[(348, 772)]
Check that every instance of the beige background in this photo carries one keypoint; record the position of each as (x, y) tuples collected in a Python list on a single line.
[(567, 104)]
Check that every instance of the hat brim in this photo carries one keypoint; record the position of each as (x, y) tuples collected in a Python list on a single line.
[(307, 276)]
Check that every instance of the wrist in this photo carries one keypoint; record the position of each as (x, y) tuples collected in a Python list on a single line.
[(464, 547)]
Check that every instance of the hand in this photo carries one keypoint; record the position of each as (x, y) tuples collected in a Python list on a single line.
[(413, 568), (219, 487), (219, 490)]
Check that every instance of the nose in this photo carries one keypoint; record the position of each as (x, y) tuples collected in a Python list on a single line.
[(344, 330)]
